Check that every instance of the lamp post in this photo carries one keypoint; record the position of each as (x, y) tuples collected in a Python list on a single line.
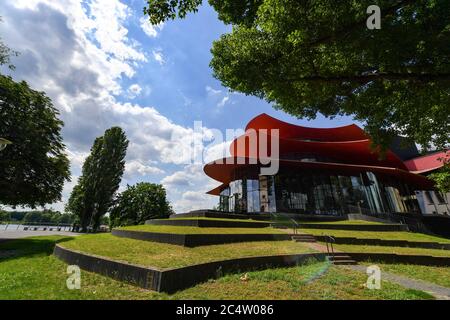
[(4, 143)]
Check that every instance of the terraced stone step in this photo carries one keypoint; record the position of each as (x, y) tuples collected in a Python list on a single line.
[(199, 239), (209, 223), (341, 259), (303, 238), (355, 227), (386, 242)]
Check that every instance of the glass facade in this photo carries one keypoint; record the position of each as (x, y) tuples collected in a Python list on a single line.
[(310, 192)]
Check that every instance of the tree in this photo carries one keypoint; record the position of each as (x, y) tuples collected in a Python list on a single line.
[(442, 177), (101, 174), (319, 56), (4, 216), (139, 203), (34, 167), (6, 53)]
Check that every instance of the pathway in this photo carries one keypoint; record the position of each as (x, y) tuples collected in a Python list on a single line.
[(437, 291)]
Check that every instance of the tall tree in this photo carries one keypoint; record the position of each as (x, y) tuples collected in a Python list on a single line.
[(138, 203), (102, 172), (319, 56), (111, 166), (34, 167)]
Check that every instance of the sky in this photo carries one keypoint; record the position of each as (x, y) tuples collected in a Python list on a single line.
[(104, 65)]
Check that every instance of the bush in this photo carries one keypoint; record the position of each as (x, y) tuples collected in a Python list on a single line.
[(138, 203)]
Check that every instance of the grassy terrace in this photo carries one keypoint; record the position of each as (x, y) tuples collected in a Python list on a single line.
[(396, 250), (197, 230), (293, 284), (162, 256), (29, 271), (216, 219), (386, 235), (437, 275), (352, 222)]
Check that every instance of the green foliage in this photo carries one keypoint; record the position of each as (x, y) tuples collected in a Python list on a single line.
[(76, 201), (34, 167), (310, 57), (138, 203), (102, 172), (230, 11), (6, 53), (4, 216), (442, 177), (42, 216), (161, 10)]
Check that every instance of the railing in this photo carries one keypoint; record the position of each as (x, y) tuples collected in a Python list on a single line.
[(329, 240), (35, 225), (280, 219), (295, 226)]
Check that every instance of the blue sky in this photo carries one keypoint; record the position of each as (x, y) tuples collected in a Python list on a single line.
[(103, 65)]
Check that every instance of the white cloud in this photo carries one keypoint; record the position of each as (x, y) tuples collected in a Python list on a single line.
[(177, 179), (149, 29), (135, 167), (218, 97), (223, 101), (193, 196), (158, 56), (134, 90), (80, 65), (212, 92), (187, 189)]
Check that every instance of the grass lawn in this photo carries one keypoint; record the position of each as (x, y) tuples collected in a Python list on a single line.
[(32, 272), (437, 275), (352, 222), (162, 255), (293, 283), (29, 271), (197, 230), (397, 250), (386, 235)]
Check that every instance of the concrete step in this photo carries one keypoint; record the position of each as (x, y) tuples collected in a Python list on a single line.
[(341, 259), (303, 238), (344, 262)]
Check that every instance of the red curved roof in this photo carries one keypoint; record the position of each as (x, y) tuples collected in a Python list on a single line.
[(223, 171), (428, 162), (288, 130), (217, 190), (354, 152), (342, 150)]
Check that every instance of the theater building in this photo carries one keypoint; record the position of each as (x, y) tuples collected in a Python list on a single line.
[(331, 171)]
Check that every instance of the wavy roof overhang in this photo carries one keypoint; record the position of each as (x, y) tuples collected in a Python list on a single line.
[(427, 162), (288, 130), (224, 171), (352, 152)]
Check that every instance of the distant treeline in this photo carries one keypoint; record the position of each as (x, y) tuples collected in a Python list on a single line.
[(43, 216)]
